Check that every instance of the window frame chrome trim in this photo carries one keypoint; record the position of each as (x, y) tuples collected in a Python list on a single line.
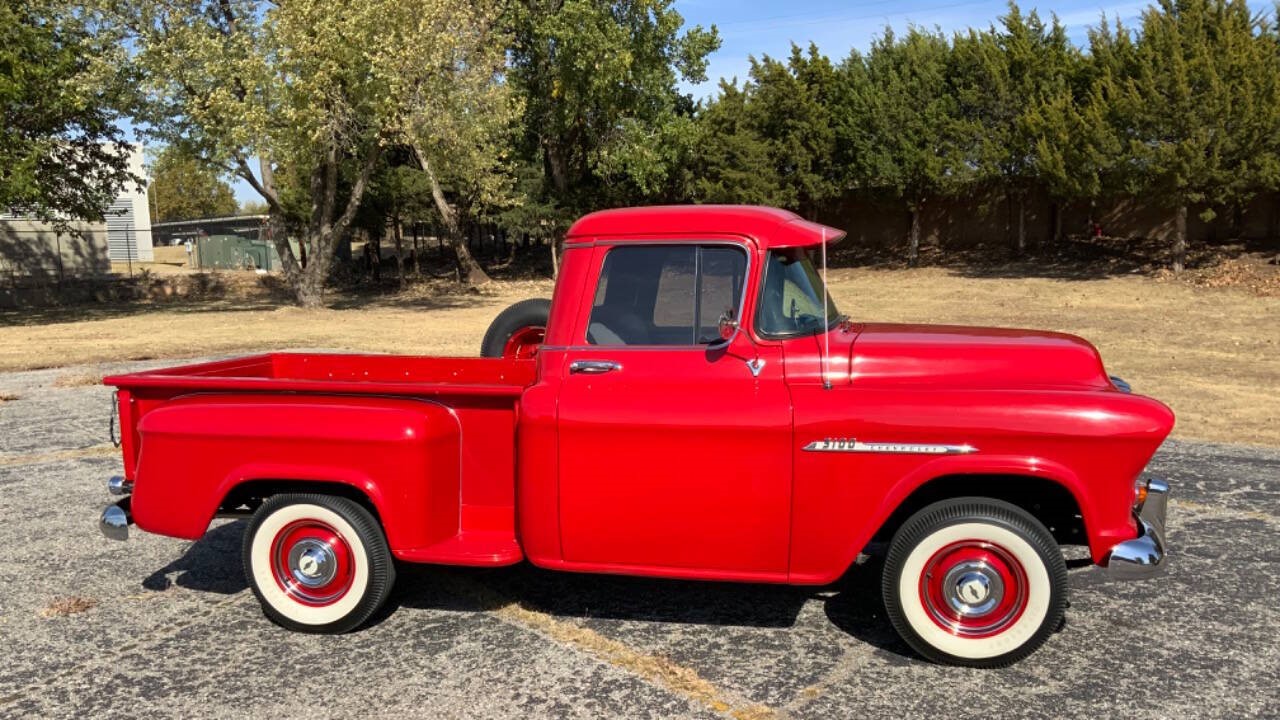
[(742, 301)]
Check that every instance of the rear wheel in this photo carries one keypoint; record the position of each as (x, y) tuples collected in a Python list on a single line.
[(317, 563), (517, 331), (974, 581)]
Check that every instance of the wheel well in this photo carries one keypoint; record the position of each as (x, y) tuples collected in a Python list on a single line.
[(1049, 502), (243, 499)]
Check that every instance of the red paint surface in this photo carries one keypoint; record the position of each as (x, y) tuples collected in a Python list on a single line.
[(681, 464)]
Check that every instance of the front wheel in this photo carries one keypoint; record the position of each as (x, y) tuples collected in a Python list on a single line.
[(975, 582), (317, 563)]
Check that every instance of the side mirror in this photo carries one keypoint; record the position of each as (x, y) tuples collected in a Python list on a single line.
[(728, 326)]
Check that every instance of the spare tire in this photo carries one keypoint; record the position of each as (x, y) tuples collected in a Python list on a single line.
[(517, 331)]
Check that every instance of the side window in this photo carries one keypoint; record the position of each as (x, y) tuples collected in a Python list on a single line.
[(665, 294)]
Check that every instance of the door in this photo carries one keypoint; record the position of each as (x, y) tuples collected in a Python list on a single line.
[(675, 450)]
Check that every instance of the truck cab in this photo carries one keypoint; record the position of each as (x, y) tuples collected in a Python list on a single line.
[(693, 405)]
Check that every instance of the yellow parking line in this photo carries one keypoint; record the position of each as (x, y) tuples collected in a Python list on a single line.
[(94, 451), (660, 671)]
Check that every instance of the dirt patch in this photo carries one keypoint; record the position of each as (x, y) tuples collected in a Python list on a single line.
[(73, 380), (74, 605), (1255, 273), (1213, 354), (9, 397)]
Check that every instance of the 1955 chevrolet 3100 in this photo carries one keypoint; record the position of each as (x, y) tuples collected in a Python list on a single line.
[(690, 404)]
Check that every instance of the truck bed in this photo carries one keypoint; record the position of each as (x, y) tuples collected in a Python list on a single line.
[(457, 499), (343, 373)]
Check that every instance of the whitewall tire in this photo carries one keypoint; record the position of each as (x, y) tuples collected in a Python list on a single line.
[(317, 563), (974, 581)]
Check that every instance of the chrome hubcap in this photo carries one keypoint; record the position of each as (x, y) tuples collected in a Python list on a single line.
[(973, 588), (312, 563)]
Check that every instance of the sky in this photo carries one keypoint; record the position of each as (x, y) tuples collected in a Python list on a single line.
[(768, 27)]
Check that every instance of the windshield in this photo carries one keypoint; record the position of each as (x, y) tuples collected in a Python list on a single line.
[(792, 295)]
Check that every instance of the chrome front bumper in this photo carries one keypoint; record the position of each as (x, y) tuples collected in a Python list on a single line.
[(1143, 556), (117, 518)]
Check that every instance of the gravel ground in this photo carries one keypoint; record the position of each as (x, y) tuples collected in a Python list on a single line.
[(162, 627)]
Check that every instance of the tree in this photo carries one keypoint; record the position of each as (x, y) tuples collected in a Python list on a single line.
[(182, 188), (907, 137), (316, 90), (254, 207), (62, 153), (734, 163), (461, 131), (602, 116), (1002, 75), (1199, 100)]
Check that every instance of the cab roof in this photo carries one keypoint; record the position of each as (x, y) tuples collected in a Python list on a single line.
[(770, 227)]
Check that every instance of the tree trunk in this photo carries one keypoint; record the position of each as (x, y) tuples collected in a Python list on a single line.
[(469, 271), (1022, 225), (1180, 239), (1056, 210), (913, 238), (399, 240), (309, 290)]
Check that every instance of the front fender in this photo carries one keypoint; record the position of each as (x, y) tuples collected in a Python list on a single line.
[(402, 454), (1011, 465)]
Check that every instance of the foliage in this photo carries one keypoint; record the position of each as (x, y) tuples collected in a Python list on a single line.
[(182, 188), (317, 90), (62, 154), (601, 114)]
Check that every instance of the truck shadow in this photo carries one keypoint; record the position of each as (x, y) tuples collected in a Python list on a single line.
[(852, 605), (210, 564)]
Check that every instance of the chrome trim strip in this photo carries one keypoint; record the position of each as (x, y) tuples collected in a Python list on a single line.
[(852, 445), (1143, 556), (1121, 385), (742, 301)]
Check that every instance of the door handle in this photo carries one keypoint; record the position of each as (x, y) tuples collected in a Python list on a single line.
[(593, 367)]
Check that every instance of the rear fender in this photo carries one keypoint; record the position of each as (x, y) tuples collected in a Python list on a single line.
[(402, 454)]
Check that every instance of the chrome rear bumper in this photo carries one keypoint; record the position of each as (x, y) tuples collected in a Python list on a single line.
[(1143, 556)]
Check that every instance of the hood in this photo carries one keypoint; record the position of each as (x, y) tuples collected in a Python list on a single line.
[(973, 357)]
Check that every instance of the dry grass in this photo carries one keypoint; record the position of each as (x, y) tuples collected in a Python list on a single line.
[(1211, 353), (73, 605)]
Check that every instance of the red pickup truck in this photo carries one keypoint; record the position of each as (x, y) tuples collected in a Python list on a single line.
[(690, 404)]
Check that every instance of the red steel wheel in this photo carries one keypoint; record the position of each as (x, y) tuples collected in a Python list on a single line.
[(523, 343), (317, 563), (974, 581), (974, 588), (312, 563), (516, 332)]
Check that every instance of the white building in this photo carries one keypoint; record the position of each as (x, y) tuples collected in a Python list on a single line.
[(31, 248)]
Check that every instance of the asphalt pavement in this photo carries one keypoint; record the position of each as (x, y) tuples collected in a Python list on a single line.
[(159, 627)]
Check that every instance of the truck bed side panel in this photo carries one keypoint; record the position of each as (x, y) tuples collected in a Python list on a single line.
[(404, 454)]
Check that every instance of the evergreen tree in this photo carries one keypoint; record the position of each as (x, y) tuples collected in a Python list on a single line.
[(1002, 76), (734, 163), (908, 139), (1200, 95)]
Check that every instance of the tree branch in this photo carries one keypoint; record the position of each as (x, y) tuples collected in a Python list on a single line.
[(353, 202), (246, 174)]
